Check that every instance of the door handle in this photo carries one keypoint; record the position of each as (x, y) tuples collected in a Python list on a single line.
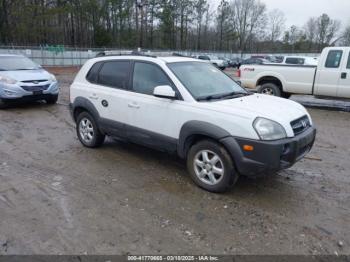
[(133, 105), (343, 75)]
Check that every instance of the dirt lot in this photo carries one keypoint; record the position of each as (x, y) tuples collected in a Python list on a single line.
[(57, 197)]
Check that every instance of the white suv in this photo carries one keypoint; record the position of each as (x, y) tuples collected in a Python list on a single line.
[(189, 107)]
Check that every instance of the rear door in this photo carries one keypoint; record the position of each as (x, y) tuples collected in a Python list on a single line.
[(110, 93), (328, 74), (344, 81)]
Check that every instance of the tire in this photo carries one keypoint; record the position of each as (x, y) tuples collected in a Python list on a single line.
[(88, 131), (222, 181), (3, 105), (270, 89), (52, 99)]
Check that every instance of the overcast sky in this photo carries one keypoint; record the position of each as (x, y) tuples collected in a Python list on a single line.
[(298, 11)]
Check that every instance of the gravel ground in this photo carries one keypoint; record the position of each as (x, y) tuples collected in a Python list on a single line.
[(57, 197)]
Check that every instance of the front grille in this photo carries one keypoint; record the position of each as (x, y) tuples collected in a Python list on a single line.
[(35, 88), (34, 81), (300, 125)]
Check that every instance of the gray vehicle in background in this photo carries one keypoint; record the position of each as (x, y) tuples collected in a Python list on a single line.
[(23, 80)]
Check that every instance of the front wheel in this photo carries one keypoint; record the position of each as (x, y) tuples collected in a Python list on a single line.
[(88, 131), (211, 167)]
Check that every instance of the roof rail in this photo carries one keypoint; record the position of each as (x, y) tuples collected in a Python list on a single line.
[(121, 53), (148, 53)]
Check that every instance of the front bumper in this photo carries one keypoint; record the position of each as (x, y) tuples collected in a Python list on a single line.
[(28, 92), (269, 156)]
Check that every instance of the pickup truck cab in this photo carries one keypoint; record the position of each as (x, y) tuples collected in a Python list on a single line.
[(330, 78), (189, 107)]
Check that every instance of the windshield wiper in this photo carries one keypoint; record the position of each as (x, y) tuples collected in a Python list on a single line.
[(230, 95)]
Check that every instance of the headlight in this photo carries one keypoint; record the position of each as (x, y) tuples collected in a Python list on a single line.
[(268, 129), (53, 78), (7, 80)]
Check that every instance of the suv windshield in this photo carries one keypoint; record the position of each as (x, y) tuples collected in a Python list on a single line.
[(13, 63), (206, 82)]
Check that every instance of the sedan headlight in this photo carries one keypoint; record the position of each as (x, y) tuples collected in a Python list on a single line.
[(53, 78), (268, 129), (7, 80)]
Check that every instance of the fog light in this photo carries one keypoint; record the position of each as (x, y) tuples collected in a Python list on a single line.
[(248, 148), (9, 92)]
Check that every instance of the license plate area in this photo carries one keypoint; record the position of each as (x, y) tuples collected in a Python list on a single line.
[(37, 92)]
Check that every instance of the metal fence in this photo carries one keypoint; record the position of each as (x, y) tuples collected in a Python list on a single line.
[(63, 56)]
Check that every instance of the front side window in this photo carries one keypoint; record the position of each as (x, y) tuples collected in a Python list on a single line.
[(204, 81), (148, 76), (114, 74), (348, 64), (334, 58)]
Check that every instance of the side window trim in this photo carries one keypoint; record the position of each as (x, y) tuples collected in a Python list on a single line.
[(179, 96)]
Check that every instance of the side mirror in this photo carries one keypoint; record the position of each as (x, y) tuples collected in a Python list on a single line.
[(164, 92)]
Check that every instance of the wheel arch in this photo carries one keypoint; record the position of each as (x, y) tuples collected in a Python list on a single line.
[(270, 79), (82, 104), (194, 131)]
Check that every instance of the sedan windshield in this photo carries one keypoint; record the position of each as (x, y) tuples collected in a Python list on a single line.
[(14, 63), (206, 82)]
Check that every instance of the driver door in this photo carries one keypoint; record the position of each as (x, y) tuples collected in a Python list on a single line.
[(152, 120)]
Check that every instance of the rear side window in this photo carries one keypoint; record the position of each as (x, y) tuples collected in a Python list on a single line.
[(295, 61), (348, 64), (334, 58), (147, 77), (114, 74), (93, 73), (204, 57)]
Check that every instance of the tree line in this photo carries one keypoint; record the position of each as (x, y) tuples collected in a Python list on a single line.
[(233, 25)]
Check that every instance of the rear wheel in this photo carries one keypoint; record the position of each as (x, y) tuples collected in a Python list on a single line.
[(52, 99), (211, 167), (270, 89), (88, 131)]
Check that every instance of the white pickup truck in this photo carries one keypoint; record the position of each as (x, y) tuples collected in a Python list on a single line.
[(331, 78)]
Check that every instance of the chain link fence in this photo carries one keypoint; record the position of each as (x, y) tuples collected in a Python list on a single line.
[(65, 56)]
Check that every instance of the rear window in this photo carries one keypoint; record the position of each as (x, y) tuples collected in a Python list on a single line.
[(295, 61), (114, 74), (93, 73), (334, 58)]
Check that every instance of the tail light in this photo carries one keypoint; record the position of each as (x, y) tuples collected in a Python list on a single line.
[(239, 73)]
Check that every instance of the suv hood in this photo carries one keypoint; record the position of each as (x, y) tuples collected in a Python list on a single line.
[(27, 75), (282, 111)]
